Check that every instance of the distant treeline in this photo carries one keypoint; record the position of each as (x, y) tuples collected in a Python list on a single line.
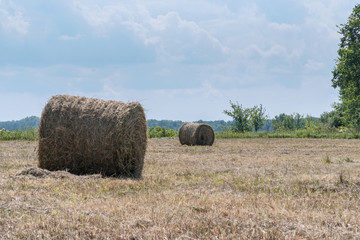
[(34, 121), (22, 124), (175, 125), (218, 126), (286, 122)]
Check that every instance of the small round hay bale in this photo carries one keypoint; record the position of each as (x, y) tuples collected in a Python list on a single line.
[(196, 134), (89, 136)]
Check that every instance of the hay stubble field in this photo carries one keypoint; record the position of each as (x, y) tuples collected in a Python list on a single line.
[(236, 189)]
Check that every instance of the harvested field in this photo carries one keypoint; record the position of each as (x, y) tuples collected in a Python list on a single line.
[(236, 189)]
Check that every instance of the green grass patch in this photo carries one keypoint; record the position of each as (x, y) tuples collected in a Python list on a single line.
[(303, 133)]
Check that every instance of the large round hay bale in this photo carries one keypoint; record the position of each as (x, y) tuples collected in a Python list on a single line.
[(88, 136), (196, 134)]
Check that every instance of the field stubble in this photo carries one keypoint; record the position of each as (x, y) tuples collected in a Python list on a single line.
[(236, 189)]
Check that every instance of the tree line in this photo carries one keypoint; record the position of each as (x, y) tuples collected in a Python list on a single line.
[(23, 124), (282, 121), (34, 121), (346, 74), (217, 125), (255, 119)]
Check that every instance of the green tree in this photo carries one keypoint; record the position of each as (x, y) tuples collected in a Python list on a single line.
[(241, 117), (294, 121), (278, 120), (258, 117), (333, 119), (299, 121), (283, 122), (346, 74), (289, 123)]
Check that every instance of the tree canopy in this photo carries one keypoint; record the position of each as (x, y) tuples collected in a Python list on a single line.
[(246, 119), (346, 73)]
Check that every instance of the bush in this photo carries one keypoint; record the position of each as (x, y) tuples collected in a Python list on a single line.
[(30, 134), (160, 132)]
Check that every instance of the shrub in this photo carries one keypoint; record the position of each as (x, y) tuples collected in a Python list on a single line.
[(30, 134), (161, 132)]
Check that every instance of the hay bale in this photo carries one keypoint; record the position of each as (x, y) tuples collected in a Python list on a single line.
[(88, 136), (196, 134)]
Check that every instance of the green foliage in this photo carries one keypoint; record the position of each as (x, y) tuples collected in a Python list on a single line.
[(241, 117), (346, 74), (283, 122), (327, 160), (299, 121), (258, 117), (30, 134), (160, 132), (246, 119), (333, 119), (291, 122)]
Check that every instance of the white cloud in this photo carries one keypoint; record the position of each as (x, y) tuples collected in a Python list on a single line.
[(69, 38), (275, 50), (313, 65), (324, 15), (184, 39), (12, 19), (8, 73), (173, 37), (209, 90), (98, 17)]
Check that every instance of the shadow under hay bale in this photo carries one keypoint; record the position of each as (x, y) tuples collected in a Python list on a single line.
[(88, 136), (196, 134)]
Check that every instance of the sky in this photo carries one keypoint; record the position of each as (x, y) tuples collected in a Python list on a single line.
[(181, 59)]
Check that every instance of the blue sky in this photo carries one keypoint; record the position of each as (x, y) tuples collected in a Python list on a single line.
[(182, 60)]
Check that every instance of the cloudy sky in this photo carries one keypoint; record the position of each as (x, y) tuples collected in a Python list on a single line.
[(181, 59)]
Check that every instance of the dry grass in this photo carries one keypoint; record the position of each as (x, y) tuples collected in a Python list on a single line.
[(236, 189)]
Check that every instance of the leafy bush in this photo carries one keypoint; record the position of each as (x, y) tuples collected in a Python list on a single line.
[(160, 132), (30, 133), (246, 119)]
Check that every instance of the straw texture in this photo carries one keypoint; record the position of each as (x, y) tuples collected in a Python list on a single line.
[(88, 136), (196, 134)]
